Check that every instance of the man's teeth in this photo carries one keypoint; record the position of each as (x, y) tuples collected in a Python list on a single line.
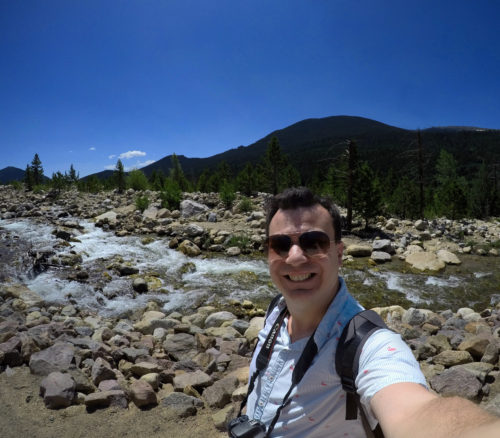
[(300, 277)]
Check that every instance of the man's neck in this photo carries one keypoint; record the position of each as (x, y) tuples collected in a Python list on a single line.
[(299, 328)]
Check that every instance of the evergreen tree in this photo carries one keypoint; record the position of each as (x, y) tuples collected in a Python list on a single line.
[(203, 183), (157, 180), (137, 180), (450, 198), (119, 176), (246, 180), (37, 170), (28, 178), (177, 174), (367, 195), (72, 177), (481, 199), (171, 195), (403, 200), (227, 194), (58, 181), (274, 164)]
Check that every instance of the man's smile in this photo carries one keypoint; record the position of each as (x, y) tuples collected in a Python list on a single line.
[(299, 277)]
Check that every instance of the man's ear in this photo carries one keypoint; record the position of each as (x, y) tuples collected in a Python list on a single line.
[(340, 251)]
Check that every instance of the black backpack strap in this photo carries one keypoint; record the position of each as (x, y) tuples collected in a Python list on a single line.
[(351, 342)]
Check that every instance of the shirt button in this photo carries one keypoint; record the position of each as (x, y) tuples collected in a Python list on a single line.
[(261, 403)]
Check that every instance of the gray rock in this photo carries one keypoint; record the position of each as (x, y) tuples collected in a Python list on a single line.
[(414, 316), (55, 358), (180, 346), (125, 270), (140, 285), (380, 257), (450, 358), (193, 230), (191, 208), (420, 225), (359, 250), (183, 405), (132, 354), (219, 394), (195, 379), (233, 251), (491, 353), (475, 345), (425, 261), (101, 370), (480, 370), (103, 399), (218, 318), (142, 394), (457, 382), (11, 352), (189, 248), (57, 390), (384, 245)]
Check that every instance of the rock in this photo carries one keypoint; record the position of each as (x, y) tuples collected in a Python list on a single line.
[(56, 358), (109, 385), (219, 394), (415, 317), (101, 370), (193, 230), (109, 218), (457, 382), (491, 353), (125, 270), (195, 379), (191, 208), (11, 352), (218, 318), (104, 399), (384, 245), (222, 417), (450, 358), (57, 390), (180, 346), (153, 379), (420, 225), (142, 368), (380, 257), (150, 213), (425, 261), (140, 285), (189, 248), (183, 405), (358, 250), (19, 291), (256, 325), (480, 370), (233, 251), (475, 345), (448, 257), (142, 394)]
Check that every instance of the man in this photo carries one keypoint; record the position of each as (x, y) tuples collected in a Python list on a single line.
[(304, 255)]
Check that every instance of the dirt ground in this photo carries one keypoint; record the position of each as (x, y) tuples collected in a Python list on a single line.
[(24, 415)]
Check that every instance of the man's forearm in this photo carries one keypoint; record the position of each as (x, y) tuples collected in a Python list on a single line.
[(452, 417)]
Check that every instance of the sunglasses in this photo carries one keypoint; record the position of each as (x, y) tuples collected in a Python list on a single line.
[(312, 243)]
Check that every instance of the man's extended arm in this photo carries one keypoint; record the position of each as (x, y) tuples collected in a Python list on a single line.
[(408, 410)]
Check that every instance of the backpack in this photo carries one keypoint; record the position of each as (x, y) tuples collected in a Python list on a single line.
[(351, 342)]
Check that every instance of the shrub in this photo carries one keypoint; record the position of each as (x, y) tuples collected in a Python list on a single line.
[(18, 185), (238, 240), (142, 202), (245, 205), (137, 180), (227, 194), (171, 195)]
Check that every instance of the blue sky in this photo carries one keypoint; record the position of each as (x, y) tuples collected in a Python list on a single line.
[(85, 82)]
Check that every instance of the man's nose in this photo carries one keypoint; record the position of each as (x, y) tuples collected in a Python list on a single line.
[(296, 255)]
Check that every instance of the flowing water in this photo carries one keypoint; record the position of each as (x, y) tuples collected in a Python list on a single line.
[(178, 282)]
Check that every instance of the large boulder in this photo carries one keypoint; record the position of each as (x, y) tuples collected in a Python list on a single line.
[(359, 250), (57, 390), (191, 208), (457, 382), (181, 404), (55, 358), (448, 257), (189, 248), (30, 298), (425, 261)]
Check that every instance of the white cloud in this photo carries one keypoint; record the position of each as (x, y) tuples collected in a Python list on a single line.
[(92, 148), (111, 157), (132, 154)]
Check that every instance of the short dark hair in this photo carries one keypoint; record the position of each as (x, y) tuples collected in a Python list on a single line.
[(297, 197)]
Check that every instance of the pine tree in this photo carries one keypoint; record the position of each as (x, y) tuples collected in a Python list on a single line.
[(177, 174), (367, 195), (246, 180), (119, 176), (28, 177), (450, 198), (37, 170), (273, 165), (72, 177)]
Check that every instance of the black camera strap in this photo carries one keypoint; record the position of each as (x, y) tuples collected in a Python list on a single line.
[(303, 364)]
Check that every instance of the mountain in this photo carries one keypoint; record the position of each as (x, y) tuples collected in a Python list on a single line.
[(10, 173), (312, 145)]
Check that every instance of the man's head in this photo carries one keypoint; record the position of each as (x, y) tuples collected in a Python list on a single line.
[(293, 198), (304, 251)]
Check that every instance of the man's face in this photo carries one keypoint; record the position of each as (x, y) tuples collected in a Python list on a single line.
[(307, 283)]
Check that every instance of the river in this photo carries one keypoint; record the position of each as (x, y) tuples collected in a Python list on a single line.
[(178, 282)]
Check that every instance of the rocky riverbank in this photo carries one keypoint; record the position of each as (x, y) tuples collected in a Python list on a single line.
[(153, 371)]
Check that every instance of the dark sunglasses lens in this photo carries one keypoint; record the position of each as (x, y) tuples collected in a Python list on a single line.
[(280, 244), (314, 242)]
